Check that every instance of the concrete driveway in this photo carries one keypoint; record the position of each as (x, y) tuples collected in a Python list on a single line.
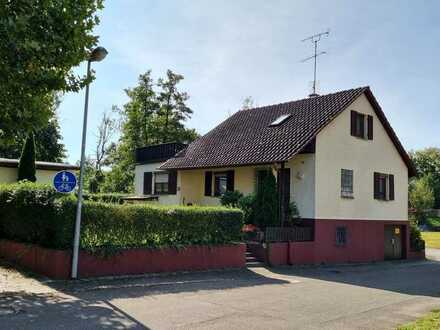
[(374, 296)]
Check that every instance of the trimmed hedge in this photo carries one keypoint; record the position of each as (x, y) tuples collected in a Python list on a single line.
[(114, 198), (33, 213)]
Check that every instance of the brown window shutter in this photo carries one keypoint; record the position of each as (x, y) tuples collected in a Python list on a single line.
[(362, 121), (208, 183), (391, 187), (148, 178), (376, 185), (230, 180), (172, 182), (370, 128), (353, 123)]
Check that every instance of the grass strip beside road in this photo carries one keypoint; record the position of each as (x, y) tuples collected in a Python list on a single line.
[(432, 239), (429, 322)]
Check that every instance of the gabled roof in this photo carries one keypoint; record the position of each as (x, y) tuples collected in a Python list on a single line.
[(246, 137), (39, 165)]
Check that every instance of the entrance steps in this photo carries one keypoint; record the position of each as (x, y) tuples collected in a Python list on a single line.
[(252, 261)]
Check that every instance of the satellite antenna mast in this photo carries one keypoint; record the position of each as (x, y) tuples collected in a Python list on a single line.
[(315, 39)]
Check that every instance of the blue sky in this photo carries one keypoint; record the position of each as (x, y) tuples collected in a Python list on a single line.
[(228, 50)]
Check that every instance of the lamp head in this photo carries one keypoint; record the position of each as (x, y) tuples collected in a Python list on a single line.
[(98, 54)]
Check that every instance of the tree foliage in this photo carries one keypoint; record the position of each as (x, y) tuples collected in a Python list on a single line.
[(248, 103), (266, 205), (155, 113), (427, 162), (421, 197), (94, 166), (26, 167), (41, 42), (48, 145)]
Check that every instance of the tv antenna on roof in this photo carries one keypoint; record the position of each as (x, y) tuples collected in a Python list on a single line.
[(315, 39)]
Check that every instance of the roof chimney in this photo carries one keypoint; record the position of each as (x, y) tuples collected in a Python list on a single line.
[(313, 95)]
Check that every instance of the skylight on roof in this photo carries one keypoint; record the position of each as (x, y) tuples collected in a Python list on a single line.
[(281, 119)]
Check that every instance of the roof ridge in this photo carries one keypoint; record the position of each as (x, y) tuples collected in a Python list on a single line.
[(307, 98)]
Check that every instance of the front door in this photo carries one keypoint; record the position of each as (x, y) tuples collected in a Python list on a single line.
[(393, 242)]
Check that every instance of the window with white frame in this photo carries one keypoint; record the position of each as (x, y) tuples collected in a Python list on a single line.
[(220, 183), (346, 183), (161, 182)]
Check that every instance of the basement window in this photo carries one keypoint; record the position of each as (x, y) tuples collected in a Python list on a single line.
[(341, 236), (280, 120)]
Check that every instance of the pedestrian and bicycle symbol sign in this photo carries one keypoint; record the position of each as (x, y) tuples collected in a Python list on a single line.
[(64, 181)]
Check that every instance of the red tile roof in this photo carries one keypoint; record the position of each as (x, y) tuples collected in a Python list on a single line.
[(246, 138)]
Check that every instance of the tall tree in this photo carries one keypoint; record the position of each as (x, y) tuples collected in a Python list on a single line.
[(427, 162), (26, 167), (41, 42), (48, 145), (173, 110), (421, 197), (149, 117), (104, 146), (106, 130)]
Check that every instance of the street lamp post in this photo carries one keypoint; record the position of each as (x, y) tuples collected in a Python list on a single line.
[(97, 55)]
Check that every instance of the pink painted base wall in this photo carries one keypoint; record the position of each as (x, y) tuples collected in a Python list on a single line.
[(57, 264), (365, 243), (365, 240), (51, 263), (139, 261)]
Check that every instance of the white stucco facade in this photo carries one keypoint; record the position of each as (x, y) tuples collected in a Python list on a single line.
[(336, 149), (302, 184), (139, 183)]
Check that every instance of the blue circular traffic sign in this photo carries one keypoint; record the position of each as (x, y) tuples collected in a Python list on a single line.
[(64, 181)]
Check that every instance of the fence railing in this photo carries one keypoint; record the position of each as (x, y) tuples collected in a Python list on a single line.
[(285, 234)]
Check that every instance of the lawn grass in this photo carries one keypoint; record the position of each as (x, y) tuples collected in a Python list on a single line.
[(429, 322), (432, 239)]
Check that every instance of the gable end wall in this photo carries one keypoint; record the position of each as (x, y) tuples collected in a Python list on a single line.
[(337, 149)]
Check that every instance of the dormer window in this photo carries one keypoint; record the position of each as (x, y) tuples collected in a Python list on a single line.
[(361, 125), (281, 119)]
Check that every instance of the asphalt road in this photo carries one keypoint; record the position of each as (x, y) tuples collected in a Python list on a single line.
[(374, 296)]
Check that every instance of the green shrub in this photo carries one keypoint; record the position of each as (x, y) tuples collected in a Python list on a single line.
[(421, 198), (416, 241), (294, 216), (247, 205), (231, 198), (34, 213), (433, 223), (26, 167), (30, 212), (266, 205)]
